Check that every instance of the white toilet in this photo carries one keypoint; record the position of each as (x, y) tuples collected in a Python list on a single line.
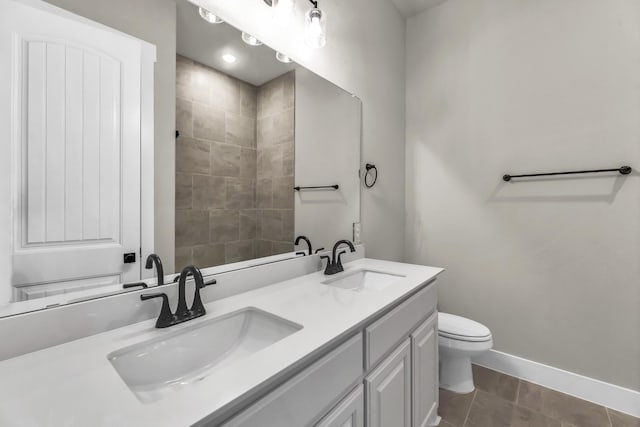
[(460, 339)]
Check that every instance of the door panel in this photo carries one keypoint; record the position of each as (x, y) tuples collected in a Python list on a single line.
[(74, 112), (424, 359), (388, 390), (348, 413)]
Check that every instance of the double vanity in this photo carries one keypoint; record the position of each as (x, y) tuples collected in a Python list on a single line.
[(351, 349)]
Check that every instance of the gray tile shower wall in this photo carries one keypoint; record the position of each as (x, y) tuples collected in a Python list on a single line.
[(275, 165), (234, 166), (504, 401)]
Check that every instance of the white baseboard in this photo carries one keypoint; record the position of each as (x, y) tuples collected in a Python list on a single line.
[(596, 391)]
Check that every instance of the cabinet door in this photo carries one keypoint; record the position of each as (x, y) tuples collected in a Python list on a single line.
[(348, 413), (424, 359), (388, 390)]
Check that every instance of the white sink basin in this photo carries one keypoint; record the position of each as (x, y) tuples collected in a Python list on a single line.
[(155, 368), (360, 280)]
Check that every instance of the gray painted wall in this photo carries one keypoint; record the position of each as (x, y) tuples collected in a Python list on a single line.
[(497, 86)]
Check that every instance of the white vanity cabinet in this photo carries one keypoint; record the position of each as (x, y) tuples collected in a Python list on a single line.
[(387, 373)]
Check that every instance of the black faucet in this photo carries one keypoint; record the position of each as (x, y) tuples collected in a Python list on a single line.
[(152, 260), (306, 239), (183, 313), (335, 265)]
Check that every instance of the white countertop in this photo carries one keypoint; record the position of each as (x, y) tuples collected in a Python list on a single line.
[(74, 384)]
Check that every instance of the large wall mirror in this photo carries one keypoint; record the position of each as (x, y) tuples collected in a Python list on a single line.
[(265, 151)]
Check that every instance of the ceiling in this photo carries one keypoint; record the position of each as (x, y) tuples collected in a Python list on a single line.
[(206, 43), (412, 7)]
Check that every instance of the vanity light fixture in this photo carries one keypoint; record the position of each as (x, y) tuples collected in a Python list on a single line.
[(250, 40), (315, 31), (282, 11), (209, 17), (283, 58), (229, 58)]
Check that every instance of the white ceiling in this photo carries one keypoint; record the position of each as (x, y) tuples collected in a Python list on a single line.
[(206, 43), (412, 7)]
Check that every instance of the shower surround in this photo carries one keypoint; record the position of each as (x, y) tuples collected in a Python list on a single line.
[(234, 166)]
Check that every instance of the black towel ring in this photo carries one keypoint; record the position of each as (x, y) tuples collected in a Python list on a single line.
[(369, 167)]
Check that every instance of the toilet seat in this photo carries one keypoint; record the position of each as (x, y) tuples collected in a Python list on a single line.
[(459, 328)]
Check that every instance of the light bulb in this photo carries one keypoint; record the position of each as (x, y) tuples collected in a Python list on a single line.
[(229, 58), (250, 40), (209, 17), (282, 11), (315, 34), (283, 58)]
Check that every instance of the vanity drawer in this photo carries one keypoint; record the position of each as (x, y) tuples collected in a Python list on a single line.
[(396, 325), (302, 399)]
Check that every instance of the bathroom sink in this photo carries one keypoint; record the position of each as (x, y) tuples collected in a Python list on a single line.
[(360, 280), (155, 368)]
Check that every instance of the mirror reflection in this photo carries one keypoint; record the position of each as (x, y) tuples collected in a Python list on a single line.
[(235, 109), (265, 151)]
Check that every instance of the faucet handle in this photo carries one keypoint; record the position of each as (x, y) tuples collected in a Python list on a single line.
[(328, 258), (166, 317), (319, 250), (209, 283)]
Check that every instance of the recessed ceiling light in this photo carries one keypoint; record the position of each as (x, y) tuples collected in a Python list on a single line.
[(229, 58), (250, 40), (283, 58), (209, 17)]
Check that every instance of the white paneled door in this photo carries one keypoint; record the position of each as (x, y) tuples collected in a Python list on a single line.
[(70, 168)]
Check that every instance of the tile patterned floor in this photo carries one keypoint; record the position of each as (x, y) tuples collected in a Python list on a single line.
[(504, 401)]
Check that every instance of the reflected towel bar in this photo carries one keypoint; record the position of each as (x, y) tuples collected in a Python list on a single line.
[(321, 187), (624, 170)]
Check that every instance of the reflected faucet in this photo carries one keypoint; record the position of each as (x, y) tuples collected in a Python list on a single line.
[(306, 239), (335, 265), (152, 260)]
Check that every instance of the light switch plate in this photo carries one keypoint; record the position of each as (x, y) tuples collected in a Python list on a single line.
[(356, 233)]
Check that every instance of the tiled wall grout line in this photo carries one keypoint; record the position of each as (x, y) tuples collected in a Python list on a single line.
[(475, 392)]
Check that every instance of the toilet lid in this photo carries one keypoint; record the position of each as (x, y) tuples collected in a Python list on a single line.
[(461, 328)]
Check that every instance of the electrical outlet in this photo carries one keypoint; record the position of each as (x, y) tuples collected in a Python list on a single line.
[(356, 233)]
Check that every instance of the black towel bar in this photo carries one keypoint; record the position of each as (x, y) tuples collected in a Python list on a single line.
[(321, 187), (624, 170)]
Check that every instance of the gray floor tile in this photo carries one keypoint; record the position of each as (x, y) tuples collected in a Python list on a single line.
[(561, 406), (496, 383), (618, 419), (489, 410), (453, 407)]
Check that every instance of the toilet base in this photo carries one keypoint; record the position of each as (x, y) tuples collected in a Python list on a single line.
[(456, 374)]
